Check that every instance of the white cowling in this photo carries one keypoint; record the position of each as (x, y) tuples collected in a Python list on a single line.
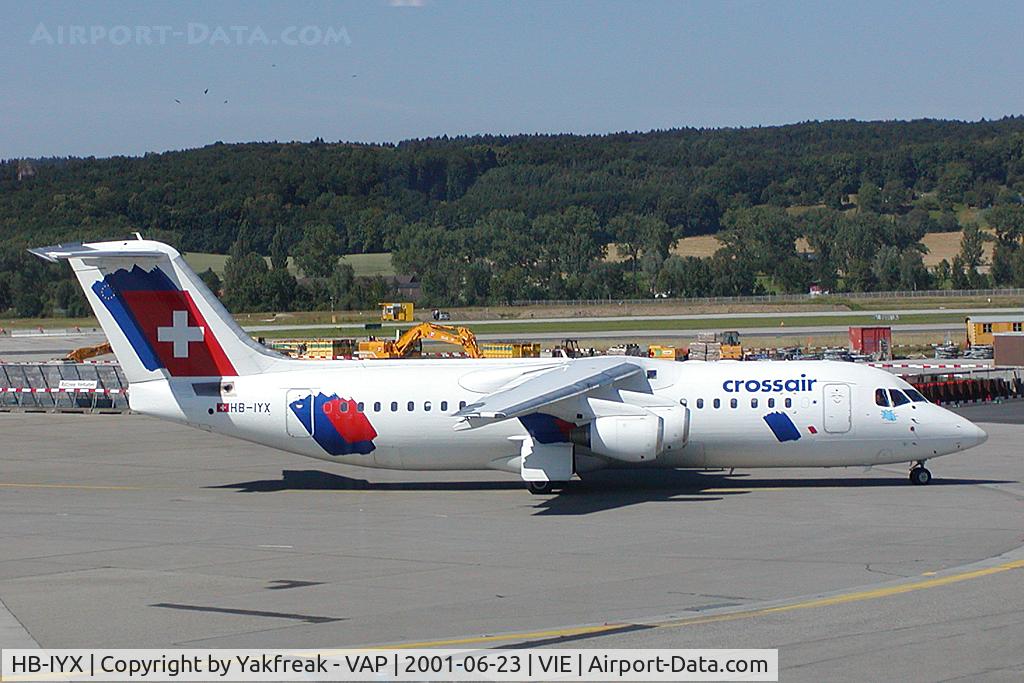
[(632, 438)]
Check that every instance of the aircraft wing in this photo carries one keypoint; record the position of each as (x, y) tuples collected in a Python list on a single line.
[(566, 381)]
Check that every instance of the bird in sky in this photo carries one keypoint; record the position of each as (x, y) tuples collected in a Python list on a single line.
[(177, 100), (206, 91)]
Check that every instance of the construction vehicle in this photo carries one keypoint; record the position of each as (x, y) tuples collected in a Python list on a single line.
[(399, 312), (85, 352), (411, 342), (732, 349), (569, 348)]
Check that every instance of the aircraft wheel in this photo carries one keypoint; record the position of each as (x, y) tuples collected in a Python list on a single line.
[(540, 488), (920, 476)]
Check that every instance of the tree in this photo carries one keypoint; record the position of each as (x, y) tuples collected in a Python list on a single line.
[(575, 242), (943, 274), (280, 246), (278, 290), (245, 282), (869, 198), (954, 181), (893, 197), (636, 234), (913, 273), (886, 268), (972, 253), (317, 253), (684, 276), (341, 287), (1008, 222), (211, 280), (819, 226)]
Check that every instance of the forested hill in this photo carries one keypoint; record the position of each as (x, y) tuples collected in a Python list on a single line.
[(487, 218), (688, 178)]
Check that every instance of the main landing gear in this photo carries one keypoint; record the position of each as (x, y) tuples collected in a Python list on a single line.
[(919, 474), (540, 488)]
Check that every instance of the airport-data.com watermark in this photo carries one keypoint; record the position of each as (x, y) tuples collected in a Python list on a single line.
[(192, 33)]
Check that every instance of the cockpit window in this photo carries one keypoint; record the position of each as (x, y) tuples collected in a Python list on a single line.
[(898, 397), (915, 395), (881, 398)]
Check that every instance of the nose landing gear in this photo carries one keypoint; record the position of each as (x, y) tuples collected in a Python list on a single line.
[(919, 474)]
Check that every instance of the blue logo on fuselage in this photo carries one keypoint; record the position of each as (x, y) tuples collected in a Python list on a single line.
[(773, 385)]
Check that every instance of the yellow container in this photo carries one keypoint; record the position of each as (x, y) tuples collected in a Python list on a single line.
[(981, 328), (665, 352), (510, 349)]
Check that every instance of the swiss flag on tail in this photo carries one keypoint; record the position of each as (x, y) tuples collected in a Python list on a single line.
[(162, 323)]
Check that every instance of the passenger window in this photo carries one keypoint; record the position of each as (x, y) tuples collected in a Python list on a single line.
[(733, 403), (898, 397), (881, 398), (376, 406), (462, 404), (717, 403), (426, 406), (771, 403), (700, 404), (753, 403), (444, 406), (789, 403), (394, 406), (410, 406), (915, 396)]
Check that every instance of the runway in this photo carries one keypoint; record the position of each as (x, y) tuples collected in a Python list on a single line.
[(679, 316), (120, 531)]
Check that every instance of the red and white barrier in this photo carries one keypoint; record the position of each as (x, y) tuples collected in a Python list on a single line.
[(50, 390), (936, 366)]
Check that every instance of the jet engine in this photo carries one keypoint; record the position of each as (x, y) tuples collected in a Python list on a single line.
[(631, 438)]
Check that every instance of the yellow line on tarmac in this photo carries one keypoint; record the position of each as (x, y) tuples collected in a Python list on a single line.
[(844, 598), (86, 487)]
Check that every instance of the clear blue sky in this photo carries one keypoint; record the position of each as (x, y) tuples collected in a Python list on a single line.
[(395, 72)]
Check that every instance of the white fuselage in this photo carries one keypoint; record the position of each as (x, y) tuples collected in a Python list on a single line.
[(410, 404)]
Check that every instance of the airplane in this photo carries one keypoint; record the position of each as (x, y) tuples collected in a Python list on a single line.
[(546, 419)]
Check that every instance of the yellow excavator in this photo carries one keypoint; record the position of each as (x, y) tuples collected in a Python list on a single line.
[(410, 343), (83, 353)]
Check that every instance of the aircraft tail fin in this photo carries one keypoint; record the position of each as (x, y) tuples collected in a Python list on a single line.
[(160, 319)]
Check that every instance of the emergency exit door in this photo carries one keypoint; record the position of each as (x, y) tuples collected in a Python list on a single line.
[(837, 408)]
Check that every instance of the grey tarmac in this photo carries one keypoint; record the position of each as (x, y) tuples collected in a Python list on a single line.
[(121, 531)]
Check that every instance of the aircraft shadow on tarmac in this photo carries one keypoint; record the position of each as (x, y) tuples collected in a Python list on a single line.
[(597, 491)]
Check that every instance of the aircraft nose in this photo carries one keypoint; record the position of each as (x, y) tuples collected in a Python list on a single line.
[(976, 435), (969, 434)]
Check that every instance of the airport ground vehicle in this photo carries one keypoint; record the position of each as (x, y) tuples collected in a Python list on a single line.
[(732, 348), (411, 341), (547, 419), (397, 312)]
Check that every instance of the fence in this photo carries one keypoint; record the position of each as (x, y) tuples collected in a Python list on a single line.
[(781, 298), (63, 387)]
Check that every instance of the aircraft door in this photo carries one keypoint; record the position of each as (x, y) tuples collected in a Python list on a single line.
[(299, 412), (836, 400)]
